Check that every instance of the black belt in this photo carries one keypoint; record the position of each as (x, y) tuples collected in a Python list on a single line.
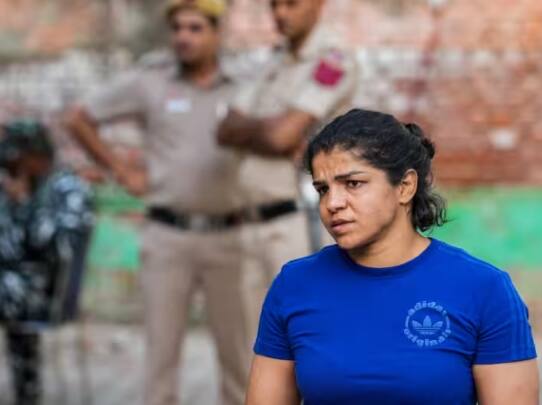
[(206, 222)]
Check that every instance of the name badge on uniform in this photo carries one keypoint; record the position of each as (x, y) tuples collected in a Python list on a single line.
[(178, 105)]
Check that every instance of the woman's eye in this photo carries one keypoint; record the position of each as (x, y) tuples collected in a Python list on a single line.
[(321, 191), (354, 183)]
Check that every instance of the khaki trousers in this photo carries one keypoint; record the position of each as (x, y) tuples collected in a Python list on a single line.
[(267, 247), (175, 264)]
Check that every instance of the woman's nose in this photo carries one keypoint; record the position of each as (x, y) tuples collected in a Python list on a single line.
[(336, 200)]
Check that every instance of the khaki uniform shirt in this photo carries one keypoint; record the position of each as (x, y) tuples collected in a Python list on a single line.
[(188, 171), (320, 81)]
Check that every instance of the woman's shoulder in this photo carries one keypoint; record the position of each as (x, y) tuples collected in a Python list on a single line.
[(461, 261), (325, 254), (319, 260), (306, 273)]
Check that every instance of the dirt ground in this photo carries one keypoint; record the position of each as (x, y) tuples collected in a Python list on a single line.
[(114, 368)]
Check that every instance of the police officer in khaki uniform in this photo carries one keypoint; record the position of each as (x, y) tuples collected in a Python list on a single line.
[(310, 80), (191, 238)]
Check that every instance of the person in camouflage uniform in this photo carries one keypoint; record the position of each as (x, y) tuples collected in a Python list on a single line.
[(45, 217)]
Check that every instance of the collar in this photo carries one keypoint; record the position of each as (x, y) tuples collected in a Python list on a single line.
[(220, 77)]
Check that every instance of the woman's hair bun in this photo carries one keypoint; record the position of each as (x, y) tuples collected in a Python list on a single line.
[(415, 130)]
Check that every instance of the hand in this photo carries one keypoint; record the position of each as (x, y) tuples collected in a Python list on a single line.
[(17, 188), (134, 180), (92, 174)]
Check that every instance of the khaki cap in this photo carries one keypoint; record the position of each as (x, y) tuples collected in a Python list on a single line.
[(211, 8)]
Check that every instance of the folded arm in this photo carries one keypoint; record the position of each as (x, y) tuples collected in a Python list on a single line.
[(281, 135)]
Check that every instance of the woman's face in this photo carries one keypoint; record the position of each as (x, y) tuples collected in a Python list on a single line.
[(358, 205)]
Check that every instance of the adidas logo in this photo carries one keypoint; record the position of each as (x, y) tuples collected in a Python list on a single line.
[(427, 328)]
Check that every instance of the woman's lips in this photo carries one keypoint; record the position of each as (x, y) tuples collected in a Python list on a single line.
[(340, 226)]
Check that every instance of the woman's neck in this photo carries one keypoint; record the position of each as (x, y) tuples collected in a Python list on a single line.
[(392, 249)]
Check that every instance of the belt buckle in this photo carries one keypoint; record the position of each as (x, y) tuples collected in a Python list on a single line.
[(252, 213), (198, 222)]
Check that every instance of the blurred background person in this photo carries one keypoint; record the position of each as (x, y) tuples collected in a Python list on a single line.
[(310, 78), (191, 236), (44, 209)]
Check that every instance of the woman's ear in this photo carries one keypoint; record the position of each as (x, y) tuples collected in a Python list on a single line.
[(408, 186)]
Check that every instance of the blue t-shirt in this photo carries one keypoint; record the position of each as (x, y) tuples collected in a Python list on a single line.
[(407, 334)]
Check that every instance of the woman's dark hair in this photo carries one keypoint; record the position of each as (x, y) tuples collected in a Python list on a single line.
[(391, 146)]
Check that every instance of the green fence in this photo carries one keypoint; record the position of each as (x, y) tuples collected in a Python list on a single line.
[(500, 225)]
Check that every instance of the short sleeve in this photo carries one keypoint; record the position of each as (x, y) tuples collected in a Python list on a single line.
[(123, 96), (504, 332), (331, 82), (272, 340)]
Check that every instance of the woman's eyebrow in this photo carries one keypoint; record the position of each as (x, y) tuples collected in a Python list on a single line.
[(338, 177), (316, 183), (347, 175)]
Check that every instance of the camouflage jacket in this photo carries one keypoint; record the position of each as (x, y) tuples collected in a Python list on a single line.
[(32, 235)]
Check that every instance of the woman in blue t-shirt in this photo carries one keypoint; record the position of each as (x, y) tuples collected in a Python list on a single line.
[(387, 315)]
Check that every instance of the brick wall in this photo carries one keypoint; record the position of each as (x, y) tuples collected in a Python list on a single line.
[(469, 70)]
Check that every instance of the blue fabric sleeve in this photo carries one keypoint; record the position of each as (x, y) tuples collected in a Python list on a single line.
[(272, 340), (504, 333)]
